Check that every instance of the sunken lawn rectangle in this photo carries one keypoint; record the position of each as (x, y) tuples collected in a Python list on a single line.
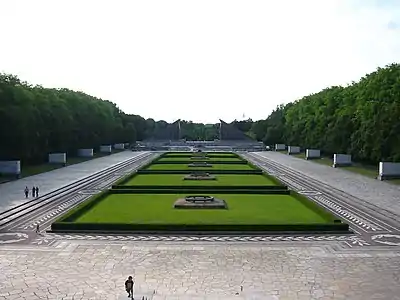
[(186, 167), (242, 209), (177, 179)]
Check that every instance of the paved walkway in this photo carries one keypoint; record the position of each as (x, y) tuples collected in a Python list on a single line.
[(12, 193), (379, 193), (88, 270)]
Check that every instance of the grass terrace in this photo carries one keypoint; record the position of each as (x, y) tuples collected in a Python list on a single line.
[(176, 179), (248, 202)]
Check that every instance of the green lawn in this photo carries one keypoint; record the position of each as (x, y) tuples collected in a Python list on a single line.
[(188, 159), (186, 167), (172, 179), (242, 209)]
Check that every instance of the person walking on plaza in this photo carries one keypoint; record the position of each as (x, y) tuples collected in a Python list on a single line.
[(129, 286), (33, 192), (37, 191), (37, 228), (26, 191)]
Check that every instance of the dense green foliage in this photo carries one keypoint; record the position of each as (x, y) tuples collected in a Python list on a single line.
[(362, 119), (35, 121)]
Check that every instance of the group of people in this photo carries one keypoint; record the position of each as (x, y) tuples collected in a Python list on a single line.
[(35, 191)]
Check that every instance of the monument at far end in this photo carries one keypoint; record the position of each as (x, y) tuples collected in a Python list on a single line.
[(199, 202)]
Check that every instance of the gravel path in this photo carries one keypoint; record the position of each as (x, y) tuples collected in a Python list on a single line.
[(381, 194)]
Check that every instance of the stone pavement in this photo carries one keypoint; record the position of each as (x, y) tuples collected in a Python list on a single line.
[(12, 193), (97, 270), (379, 193)]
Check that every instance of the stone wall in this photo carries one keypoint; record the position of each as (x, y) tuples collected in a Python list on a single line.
[(280, 147), (12, 167), (389, 170), (58, 158), (341, 160), (85, 152), (105, 148), (293, 150), (313, 153)]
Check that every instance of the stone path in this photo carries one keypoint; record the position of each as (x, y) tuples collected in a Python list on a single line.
[(12, 193), (88, 270), (382, 194)]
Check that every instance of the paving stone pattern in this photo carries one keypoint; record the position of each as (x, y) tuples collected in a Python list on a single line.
[(83, 270), (12, 193), (381, 194)]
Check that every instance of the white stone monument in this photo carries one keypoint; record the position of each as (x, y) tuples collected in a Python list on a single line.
[(341, 160), (85, 152), (105, 149), (119, 146), (313, 153), (280, 147), (58, 158), (10, 167), (389, 170), (293, 150)]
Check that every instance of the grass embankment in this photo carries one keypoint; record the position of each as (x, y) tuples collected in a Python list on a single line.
[(243, 209), (236, 180)]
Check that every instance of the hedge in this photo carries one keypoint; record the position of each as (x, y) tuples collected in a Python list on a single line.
[(209, 190), (200, 187), (220, 228), (187, 171)]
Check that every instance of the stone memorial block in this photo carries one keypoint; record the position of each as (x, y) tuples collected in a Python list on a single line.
[(293, 150), (58, 158), (280, 147), (341, 160), (105, 148), (313, 153), (119, 146), (10, 167), (199, 176), (200, 201), (389, 170), (85, 152)]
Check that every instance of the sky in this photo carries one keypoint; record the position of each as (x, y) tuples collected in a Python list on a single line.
[(199, 60)]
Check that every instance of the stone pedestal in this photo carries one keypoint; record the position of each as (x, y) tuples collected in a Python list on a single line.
[(200, 202), (389, 170), (11, 167), (313, 153), (58, 158), (105, 149), (199, 176), (293, 150), (85, 152), (341, 160), (280, 147)]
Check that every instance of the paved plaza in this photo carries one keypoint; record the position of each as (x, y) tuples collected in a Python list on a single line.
[(362, 265), (12, 193)]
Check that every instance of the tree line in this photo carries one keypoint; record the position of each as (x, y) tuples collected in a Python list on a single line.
[(35, 121), (361, 119)]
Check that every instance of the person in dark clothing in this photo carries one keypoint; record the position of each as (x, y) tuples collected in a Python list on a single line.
[(33, 192), (129, 286), (37, 191), (26, 192)]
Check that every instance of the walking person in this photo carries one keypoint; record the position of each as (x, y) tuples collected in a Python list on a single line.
[(37, 191), (129, 286), (33, 192), (26, 191), (37, 228)]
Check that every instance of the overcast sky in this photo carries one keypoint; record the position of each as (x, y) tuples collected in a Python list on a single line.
[(197, 60)]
